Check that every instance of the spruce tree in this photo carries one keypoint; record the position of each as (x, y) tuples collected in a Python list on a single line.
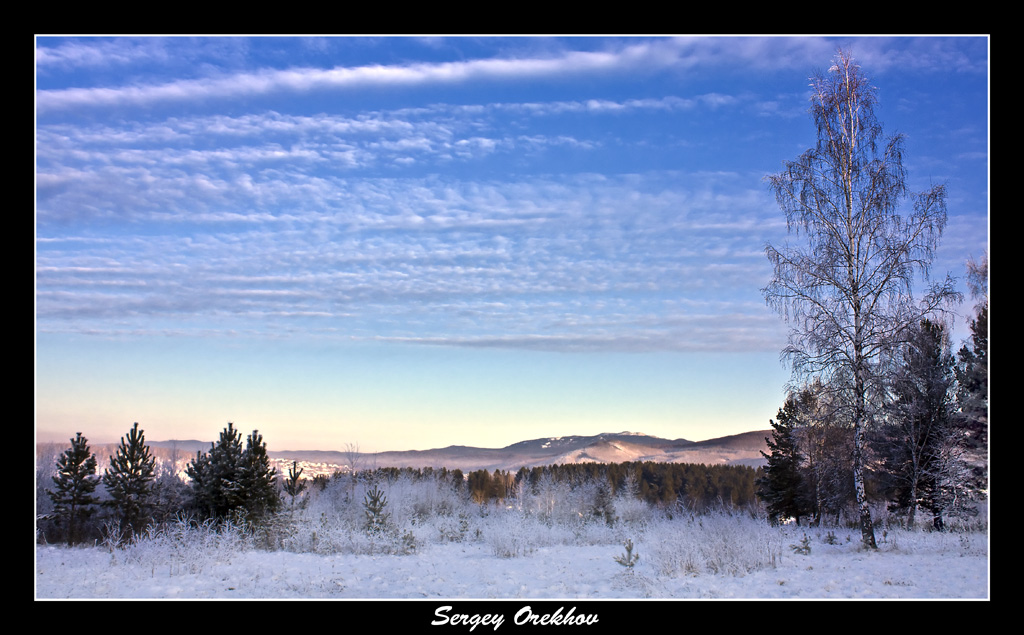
[(972, 379), (74, 484), (129, 481), (924, 456), (782, 488)]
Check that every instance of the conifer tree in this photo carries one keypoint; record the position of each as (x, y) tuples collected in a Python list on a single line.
[(257, 479), (782, 487), (972, 379), (925, 452), (293, 485), (129, 481), (230, 479), (215, 475), (603, 507), (374, 504), (200, 473), (74, 484)]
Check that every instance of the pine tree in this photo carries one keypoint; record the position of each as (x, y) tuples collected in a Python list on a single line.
[(74, 484), (230, 479), (215, 476), (129, 481), (200, 473), (374, 504), (293, 485), (782, 486), (603, 507), (257, 480)]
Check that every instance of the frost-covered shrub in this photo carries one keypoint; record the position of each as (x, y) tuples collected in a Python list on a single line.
[(343, 517), (629, 557), (963, 543), (186, 546), (711, 543), (634, 512), (331, 534), (451, 528), (593, 531), (417, 499), (512, 534), (552, 502)]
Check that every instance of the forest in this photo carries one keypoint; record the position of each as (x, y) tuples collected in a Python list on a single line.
[(140, 493)]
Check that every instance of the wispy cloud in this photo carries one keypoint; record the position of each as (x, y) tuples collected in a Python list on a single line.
[(299, 80), (627, 55), (270, 161), (538, 221), (427, 256)]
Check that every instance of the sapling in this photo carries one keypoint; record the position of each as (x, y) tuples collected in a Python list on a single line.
[(629, 558), (803, 548)]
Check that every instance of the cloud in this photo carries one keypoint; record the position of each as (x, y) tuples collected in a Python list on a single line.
[(629, 55), (573, 263), (531, 223), (302, 80), (69, 56)]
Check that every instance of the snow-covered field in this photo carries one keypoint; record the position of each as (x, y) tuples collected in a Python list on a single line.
[(440, 548), (924, 566)]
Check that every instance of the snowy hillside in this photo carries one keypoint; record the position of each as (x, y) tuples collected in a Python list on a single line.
[(741, 449)]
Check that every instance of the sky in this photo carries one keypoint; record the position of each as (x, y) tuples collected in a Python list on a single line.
[(403, 243)]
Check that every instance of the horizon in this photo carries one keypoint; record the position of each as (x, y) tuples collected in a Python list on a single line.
[(433, 241), (344, 450)]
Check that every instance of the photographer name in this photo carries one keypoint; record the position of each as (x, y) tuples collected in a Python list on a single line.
[(524, 616)]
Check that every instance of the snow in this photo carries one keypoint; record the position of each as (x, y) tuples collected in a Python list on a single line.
[(542, 544), (907, 565), (469, 571)]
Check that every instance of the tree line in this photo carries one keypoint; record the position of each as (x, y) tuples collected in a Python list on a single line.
[(927, 429), (229, 482), (696, 486), (234, 482)]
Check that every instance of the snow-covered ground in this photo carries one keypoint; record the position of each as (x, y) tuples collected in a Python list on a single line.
[(443, 547), (907, 565), (470, 571)]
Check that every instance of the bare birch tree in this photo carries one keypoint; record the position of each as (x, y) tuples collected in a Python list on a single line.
[(846, 284)]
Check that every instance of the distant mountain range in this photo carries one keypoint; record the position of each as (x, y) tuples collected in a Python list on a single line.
[(621, 447), (738, 449)]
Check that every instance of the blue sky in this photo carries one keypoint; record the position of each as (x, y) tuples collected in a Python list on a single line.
[(414, 242)]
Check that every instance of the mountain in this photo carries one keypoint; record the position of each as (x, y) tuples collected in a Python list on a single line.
[(621, 447), (189, 447), (740, 449)]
